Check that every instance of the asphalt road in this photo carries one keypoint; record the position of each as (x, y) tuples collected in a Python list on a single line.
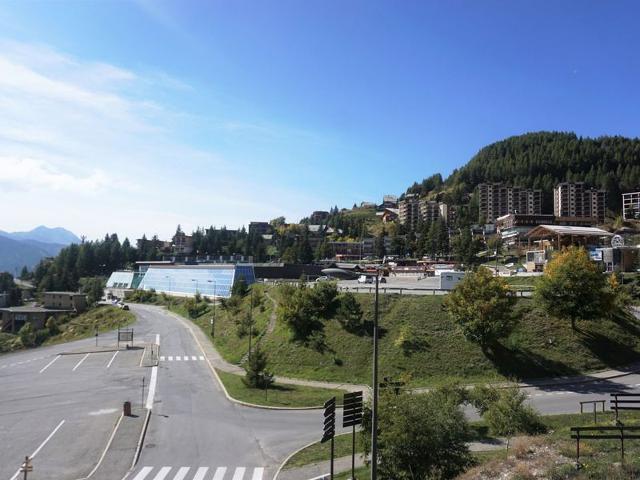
[(64, 408), (194, 429)]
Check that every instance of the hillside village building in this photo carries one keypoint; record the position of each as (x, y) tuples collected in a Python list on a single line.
[(575, 200), (497, 200)]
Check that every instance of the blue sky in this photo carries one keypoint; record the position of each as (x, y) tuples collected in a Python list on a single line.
[(135, 116)]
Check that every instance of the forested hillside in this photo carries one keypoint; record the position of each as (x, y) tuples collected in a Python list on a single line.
[(543, 159)]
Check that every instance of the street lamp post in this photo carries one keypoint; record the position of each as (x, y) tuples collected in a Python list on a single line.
[(340, 273), (213, 319)]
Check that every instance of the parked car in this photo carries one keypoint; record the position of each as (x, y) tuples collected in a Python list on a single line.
[(365, 279), (323, 278)]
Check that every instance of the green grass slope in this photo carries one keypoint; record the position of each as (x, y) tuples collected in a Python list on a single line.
[(420, 343)]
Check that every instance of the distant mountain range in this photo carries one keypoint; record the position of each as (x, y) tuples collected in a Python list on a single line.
[(18, 249)]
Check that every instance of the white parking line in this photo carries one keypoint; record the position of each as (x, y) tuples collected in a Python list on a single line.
[(49, 364), (186, 358), (112, 359), (153, 382), (201, 357), (170, 358), (194, 358), (257, 473), (40, 447), (80, 362)]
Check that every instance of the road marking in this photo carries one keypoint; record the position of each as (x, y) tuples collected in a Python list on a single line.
[(202, 471), (153, 382), (162, 358), (80, 362), (103, 411), (142, 474), (164, 471), (219, 475), (182, 473), (194, 358), (178, 358), (40, 447), (201, 358), (186, 358), (239, 473), (257, 473), (49, 364), (170, 358), (112, 359)]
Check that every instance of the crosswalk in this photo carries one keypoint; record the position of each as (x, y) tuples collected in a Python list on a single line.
[(181, 358), (199, 473)]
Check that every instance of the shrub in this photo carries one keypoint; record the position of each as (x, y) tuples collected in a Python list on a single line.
[(509, 415), (349, 313), (27, 335), (257, 375), (195, 308), (52, 326), (421, 436)]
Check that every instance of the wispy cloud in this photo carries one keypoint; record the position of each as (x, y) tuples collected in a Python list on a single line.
[(89, 146)]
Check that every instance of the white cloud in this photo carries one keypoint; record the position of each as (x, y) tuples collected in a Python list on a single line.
[(87, 146), (31, 175)]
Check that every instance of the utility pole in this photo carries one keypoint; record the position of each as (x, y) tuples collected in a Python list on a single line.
[(374, 406), (250, 322)]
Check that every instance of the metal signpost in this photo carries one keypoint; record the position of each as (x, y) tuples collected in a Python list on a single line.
[(352, 416), (329, 430), (125, 335), (26, 467)]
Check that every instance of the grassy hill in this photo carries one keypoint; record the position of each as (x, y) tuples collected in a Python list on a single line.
[(421, 344)]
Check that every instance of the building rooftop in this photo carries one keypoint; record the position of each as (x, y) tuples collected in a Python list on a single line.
[(31, 309), (65, 293), (542, 230)]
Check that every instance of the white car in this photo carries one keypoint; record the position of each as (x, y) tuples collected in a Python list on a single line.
[(365, 279)]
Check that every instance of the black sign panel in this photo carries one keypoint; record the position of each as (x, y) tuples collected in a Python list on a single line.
[(352, 413), (125, 335), (329, 428)]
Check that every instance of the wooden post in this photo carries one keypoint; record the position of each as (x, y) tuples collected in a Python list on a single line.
[(577, 449), (622, 444)]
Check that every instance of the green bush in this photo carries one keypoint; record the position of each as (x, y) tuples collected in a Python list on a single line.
[(27, 335)]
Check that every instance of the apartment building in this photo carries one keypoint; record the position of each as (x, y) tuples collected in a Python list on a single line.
[(413, 210), (409, 211), (631, 206), (576, 200), (497, 200)]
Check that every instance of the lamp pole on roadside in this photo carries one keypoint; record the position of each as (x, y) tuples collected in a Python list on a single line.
[(213, 318), (344, 274)]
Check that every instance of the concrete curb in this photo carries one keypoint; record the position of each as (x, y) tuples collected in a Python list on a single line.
[(136, 455), (106, 449), (291, 455)]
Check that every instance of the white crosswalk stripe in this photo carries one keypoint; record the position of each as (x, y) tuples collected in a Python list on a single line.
[(181, 358), (201, 473), (219, 475)]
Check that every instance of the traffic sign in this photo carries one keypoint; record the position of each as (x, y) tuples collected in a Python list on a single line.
[(329, 428)]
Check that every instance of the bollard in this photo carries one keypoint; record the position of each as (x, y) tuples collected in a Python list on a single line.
[(126, 409)]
